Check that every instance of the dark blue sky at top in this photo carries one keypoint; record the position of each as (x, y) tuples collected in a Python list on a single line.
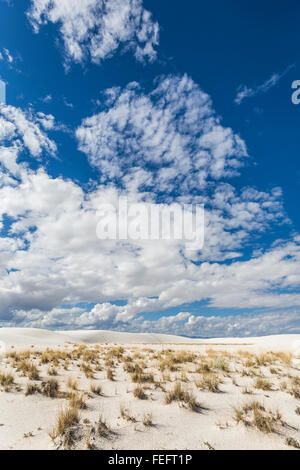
[(220, 44)]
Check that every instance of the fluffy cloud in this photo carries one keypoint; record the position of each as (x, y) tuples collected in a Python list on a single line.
[(50, 254), (168, 141), (59, 260), (23, 131), (96, 29), (184, 323), (258, 324)]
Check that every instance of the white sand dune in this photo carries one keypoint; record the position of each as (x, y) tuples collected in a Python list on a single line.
[(24, 337), (26, 421)]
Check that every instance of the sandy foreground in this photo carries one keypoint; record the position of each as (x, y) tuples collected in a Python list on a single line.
[(107, 390)]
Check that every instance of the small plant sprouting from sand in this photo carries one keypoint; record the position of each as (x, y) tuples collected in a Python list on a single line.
[(72, 383), (139, 378), (247, 391), (66, 420), (96, 389), (87, 370), (110, 374), (102, 427), (31, 389), (139, 393), (77, 401), (6, 380), (295, 387), (126, 414), (254, 414), (263, 384), (182, 395), (210, 382), (148, 420), (50, 388), (291, 442), (52, 371)]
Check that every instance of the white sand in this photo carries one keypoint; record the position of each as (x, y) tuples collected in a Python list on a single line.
[(24, 337), (175, 427)]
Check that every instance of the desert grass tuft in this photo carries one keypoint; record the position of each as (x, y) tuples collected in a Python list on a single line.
[(254, 414), (291, 442), (139, 393), (96, 389), (148, 420), (50, 388), (72, 383), (263, 384), (102, 427), (126, 414), (6, 379), (66, 419), (210, 382), (182, 395)]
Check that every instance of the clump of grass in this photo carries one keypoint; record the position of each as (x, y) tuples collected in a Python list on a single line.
[(72, 383), (203, 368), (33, 372), (263, 359), (291, 442), (183, 376), (102, 427), (295, 387), (126, 414), (116, 352), (221, 363), (31, 389), (6, 380), (96, 389), (182, 395), (132, 368), (139, 393), (139, 378), (27, 368), (297, 411), (254, 414), (148, 419), (263, 384), (87, 370), (77, 401), (66, 419), (285, 357), (52, 371), (283, 386), (110, 374), (210, 382), (50, 388), (168, 364), (247, 391)]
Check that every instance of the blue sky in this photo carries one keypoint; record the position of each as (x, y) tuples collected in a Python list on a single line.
[(205, 92)]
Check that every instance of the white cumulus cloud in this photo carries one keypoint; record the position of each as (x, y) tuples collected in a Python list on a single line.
[(166, 141), (96, 29)]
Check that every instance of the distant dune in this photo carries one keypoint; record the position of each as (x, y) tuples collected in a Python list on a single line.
[(22, 337)]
